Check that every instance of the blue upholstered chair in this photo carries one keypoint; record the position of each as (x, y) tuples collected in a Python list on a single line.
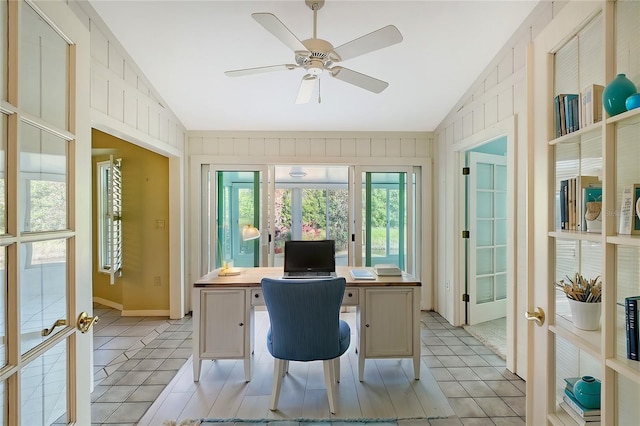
[(306, 326)]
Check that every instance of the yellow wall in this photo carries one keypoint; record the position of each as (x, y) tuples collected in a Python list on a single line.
[(144, 284)]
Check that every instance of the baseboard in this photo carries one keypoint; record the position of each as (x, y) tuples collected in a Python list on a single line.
[(146, 313), (108, 303)]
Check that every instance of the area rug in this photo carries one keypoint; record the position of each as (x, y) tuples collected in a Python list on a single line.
[(303, 421)]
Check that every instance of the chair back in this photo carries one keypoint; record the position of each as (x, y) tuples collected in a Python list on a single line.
[(305, 317)]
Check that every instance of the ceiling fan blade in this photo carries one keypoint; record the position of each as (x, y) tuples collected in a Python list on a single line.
[(305, 91), (278, 29), (258, 70), (357, 79), (378, 39)]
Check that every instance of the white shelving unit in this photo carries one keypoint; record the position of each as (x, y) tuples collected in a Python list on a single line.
[(605, 42)]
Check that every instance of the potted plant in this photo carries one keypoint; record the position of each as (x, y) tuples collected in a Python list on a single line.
[(585, 297)]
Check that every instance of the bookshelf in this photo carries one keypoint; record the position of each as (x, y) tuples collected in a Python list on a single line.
[(587, 45)]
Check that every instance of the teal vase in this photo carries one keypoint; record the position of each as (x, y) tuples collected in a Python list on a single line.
[(616, 93), (587, 391)]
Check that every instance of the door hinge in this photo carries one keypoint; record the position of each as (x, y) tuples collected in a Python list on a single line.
[(466, 171), (465, 297), (465, 234)]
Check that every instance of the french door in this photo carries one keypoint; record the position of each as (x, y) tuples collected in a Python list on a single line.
[(45, 230), (387, 225), (487, 243), (232, 198)]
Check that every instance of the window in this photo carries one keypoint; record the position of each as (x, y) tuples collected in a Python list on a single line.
[(109, 179)]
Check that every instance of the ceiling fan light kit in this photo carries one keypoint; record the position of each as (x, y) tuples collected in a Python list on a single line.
[(316, 55)]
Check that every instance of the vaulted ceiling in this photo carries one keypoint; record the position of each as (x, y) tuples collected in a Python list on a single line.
[(185, 46)]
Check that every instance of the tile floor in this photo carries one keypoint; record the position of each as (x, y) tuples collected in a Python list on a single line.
[(135, 358)]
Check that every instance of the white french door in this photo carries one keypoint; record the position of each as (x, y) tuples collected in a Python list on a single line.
[(45, 222), (487, 243)]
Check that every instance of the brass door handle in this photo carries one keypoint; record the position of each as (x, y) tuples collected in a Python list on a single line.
[(59, 323), (537, 316), (85, 322)]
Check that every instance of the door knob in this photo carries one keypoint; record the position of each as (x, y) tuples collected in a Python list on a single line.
[(537, 316), (85, 322)]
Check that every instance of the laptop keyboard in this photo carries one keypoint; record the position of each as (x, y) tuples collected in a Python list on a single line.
[(309, 274)]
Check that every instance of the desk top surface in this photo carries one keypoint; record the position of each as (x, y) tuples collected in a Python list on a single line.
[(251, 277)]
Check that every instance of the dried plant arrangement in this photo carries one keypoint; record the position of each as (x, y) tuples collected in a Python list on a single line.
[(582, 289)]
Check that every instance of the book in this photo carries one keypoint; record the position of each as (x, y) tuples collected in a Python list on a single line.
[(580, 410), (591, 104), (631, 326), (564, 196), (570, 104), (572, 204), (387, 270), (580, 420), (627, 210), (361, 274)]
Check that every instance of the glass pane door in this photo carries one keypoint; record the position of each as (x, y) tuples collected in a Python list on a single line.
[(311, 203), (45, 232), (230, 204), (384, 218)]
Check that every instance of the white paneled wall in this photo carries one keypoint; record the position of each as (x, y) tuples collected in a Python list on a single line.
[(123, 102), (499, 94), (243, 147)]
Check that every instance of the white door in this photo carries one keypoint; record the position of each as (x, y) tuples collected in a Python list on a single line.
[(487, 243), (45, 224)]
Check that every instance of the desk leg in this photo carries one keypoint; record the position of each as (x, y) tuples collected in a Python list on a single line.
[(249, 336), (361, 366), (247, 368), (416, 366), (416, 333), (197, 363), (195, 336)]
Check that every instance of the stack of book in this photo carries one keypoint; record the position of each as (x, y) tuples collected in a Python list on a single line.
[(387, 269), (575, 111), (582, 415), (567, 113)]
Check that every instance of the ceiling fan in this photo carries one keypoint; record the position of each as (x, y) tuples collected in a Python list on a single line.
[(316, 55)]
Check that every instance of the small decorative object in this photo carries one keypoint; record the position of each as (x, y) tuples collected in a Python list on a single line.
[(633, 101), (593, 216), (629, 222), (587, 391), (615, 94), (584, 300)]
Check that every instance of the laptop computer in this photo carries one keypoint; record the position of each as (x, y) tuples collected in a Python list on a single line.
[(309, 259)]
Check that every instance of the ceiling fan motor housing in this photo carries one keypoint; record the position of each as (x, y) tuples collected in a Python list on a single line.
[(319, 56)]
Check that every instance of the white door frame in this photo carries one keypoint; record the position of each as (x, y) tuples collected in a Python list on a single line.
[(515, 326)]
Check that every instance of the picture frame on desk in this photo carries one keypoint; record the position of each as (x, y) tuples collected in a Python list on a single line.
[(629, 222)]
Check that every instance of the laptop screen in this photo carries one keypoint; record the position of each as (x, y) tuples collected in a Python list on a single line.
[(310, 256)]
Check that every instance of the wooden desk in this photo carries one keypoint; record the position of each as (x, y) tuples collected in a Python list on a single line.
[(387, 317)]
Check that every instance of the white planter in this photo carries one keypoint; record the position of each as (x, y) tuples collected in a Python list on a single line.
[(585, 316)]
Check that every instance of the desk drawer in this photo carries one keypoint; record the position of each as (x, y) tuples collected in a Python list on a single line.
[(256, 297), (350, 297)]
